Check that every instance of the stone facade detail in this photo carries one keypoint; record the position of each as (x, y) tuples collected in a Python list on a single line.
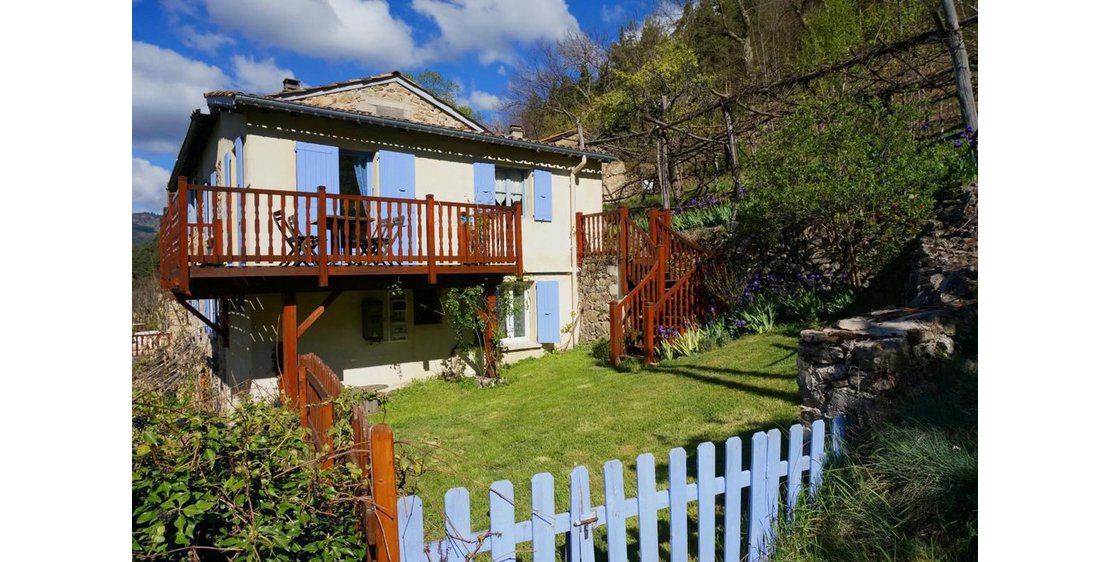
[(857, 366), (390, 100), (597, 286)]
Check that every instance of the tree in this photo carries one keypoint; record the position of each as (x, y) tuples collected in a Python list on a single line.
[(445, 90)]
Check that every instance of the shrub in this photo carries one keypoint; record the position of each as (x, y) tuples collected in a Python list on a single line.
[(239, 485), (841, 182), (630, 365), (811, 305), (600, 350)]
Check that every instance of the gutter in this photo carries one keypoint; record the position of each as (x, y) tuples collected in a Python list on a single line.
[(233, 101)]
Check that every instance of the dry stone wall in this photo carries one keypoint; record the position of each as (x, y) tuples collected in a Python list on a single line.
[(857, 366)]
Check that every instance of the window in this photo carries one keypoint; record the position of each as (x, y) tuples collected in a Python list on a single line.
[(509, 185), (516, 323), (398, 318), (354, 173)]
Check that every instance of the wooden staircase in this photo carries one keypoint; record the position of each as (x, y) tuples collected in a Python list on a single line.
[(659, 280)]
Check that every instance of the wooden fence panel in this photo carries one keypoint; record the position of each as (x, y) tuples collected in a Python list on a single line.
[(706, 500), (501, 522), (733, 488), (677, 504), (543, 518), (614, 511)]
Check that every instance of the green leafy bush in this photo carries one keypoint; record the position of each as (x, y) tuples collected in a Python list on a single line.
[(241, 485), (841, 182), (600, 349), (811, 305)]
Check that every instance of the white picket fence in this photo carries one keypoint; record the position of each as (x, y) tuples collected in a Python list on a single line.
[(763, 482)]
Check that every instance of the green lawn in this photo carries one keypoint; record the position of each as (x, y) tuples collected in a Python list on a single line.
[(564, 410)]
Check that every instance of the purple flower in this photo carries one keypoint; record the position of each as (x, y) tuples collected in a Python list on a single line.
[(958, 144)]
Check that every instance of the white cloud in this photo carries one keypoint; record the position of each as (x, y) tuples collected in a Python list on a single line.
[(148, 186), (360, 30), (493, 27), (501, 70), (165, 88), (205, 42), (262, 77), (612, 14), (482, 101)]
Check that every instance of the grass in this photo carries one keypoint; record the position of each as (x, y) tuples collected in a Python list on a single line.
[(565, 410)]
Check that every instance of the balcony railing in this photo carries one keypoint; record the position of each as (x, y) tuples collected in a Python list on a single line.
[(220, 231)]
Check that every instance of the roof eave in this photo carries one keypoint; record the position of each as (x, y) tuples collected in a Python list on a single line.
[(228, 102), (200, 125)]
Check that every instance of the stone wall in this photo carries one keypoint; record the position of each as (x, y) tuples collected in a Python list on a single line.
[(390, 95), (859, 366), (597, 286)]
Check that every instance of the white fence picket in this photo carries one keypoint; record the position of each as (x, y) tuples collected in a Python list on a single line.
[(774, 475), (501, 522), (733, 488), (647, 510), (793, 470), (614, 511), (757, 502), (410, 523), (581, 517), (459, 544), (816, 456), (677, 504), (706, 500), (543, 518)]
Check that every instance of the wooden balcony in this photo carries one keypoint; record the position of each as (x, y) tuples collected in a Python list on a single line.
[(233, 234)]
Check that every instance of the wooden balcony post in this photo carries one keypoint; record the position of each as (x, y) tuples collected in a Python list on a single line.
[(623, 257), (649, 333), (321, 234), (384, 492), (289, 371), (616, 335), (579, 237), (518, 216), (183, 244), (430, 235), (661, 272), (464, 237)]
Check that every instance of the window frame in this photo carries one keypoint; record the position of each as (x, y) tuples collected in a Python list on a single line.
[(524, 291)]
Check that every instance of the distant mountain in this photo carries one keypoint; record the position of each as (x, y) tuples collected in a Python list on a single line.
[(143, 227)]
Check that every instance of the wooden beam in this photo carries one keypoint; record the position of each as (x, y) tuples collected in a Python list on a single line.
[(317, 312), (222, 332)]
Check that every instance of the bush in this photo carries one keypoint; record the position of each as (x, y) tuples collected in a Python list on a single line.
[(600, 350), (812, 305), (240, 485), (759, 316), (630, 365), (839, 182)]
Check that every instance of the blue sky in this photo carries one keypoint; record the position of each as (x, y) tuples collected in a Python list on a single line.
[(181, 49)]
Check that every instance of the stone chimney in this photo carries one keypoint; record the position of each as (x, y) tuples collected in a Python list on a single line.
[(291, 85), (516, 131)]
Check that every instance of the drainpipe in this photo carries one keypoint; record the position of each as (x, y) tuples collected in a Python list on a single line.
[(574, 238)]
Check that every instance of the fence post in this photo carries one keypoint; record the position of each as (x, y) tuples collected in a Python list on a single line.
[(431, 237), (616, 335), (321, 234), (302, 393), (649, 333), (384, 492)]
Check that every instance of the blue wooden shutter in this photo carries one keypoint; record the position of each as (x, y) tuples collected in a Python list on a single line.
[(547, 311), (541, 207), (212, 178), (397, 175), (240, 162), (317, 165), (227, 169), (397, 178), (483, 183)]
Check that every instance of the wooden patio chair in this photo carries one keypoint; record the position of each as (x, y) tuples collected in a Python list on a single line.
[(391, 229), (299, 244)]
